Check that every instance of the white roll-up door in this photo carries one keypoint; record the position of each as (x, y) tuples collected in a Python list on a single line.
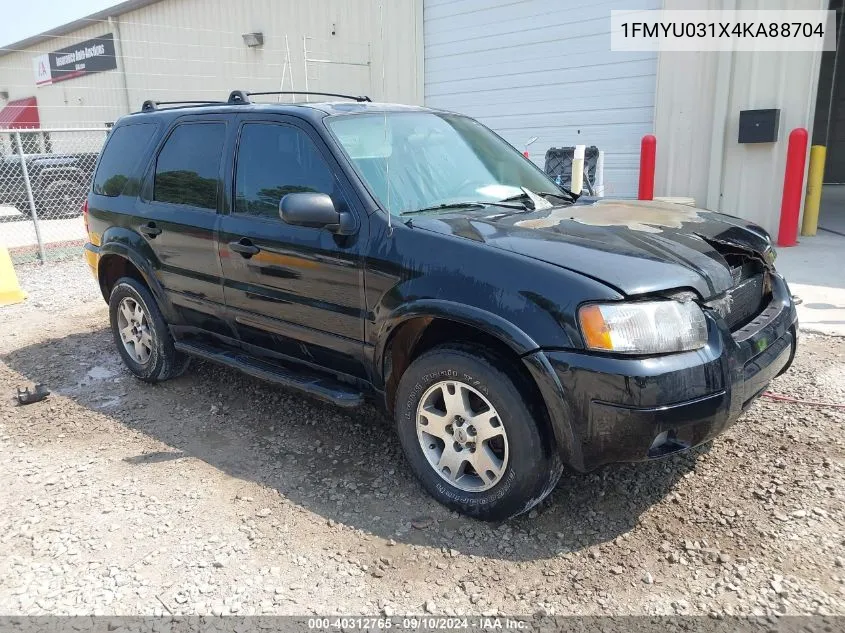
[(543, 68)]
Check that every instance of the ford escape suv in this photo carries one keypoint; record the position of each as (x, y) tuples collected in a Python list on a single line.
[(411, 257)]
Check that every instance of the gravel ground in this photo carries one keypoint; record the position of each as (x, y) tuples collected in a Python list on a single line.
[(218, 494)]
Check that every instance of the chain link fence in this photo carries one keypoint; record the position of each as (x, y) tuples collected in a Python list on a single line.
[(44, 180)]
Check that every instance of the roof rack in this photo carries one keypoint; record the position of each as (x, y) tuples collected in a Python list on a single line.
[(240, 96), (150, 105)]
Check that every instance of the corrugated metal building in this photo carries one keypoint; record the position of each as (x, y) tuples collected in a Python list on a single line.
[(195, 49), (543, 68), (531, 68)]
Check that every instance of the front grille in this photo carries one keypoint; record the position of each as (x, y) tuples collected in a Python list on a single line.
[(743, 302)]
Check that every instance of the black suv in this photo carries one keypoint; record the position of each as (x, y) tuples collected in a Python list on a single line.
[(356, 251)]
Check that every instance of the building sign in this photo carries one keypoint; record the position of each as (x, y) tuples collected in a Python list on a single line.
[(85, 58)]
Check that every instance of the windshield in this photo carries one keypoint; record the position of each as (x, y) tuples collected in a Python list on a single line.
[(419, 160)]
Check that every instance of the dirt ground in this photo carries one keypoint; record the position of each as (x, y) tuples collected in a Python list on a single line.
[(218, 494)]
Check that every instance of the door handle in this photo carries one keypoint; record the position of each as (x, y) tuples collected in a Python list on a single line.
[(150, 230), (245, 247)]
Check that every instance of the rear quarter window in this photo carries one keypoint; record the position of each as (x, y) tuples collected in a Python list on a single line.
[(124, 149)]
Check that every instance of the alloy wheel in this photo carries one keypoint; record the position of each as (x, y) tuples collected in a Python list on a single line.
[(462, 436), (133, 326)]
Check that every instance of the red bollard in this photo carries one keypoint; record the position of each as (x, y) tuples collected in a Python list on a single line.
[(793, 187), (648, 156)]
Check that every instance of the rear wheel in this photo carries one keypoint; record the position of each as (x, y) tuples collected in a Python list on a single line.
[(141, 334), (470, 436), (59, 198)]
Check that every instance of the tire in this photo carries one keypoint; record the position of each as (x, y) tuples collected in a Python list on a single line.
[(152, 356), (526, 465), (59, 198)]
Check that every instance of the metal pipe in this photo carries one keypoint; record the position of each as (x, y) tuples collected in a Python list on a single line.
[(648, 155), (305, 62), (329, 61), (793, 184), (718, 134), (832, 85), (121, 68), (815, 178), (30, 198)]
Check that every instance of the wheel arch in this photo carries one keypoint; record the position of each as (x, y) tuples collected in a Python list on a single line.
[(116, 260), (442, 310), (421, 327)]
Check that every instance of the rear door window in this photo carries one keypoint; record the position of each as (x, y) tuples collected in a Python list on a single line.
[(124, 149), (187, 168)]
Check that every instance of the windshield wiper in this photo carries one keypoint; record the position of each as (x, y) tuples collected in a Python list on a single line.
[(464, 205), (565, 194)]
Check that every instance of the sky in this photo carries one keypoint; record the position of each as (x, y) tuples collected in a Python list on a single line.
[(23, 18)]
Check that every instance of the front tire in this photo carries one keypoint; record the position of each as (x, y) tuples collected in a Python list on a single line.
[(470, 436), (141, 334)]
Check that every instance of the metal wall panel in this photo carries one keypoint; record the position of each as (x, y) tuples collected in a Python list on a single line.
[(91, 100), (699, 98), (543, 68), (193, 49)]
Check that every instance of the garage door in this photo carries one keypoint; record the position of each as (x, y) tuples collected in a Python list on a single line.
[(543, 68)]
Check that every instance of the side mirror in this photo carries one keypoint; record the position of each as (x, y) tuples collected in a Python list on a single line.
[(315, 210)]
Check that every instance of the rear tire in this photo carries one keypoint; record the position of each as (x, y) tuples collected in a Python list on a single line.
[(142, 337), (450, 398), (61, 198)]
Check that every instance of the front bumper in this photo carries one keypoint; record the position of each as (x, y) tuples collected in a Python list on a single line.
[(612, 409)]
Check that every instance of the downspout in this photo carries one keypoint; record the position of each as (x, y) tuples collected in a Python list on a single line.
[(419, 53), (719, 130), (121, 68), (832, 84)]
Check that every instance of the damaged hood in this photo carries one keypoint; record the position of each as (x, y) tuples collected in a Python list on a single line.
[(634, 246)]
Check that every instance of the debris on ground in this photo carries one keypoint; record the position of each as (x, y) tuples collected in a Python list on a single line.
[(38, 393)]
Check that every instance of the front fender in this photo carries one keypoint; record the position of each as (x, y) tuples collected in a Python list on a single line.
[(129, 245), (533, 359), (485, 321)]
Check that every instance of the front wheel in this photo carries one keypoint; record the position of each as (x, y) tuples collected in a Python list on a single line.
[(470, 437)]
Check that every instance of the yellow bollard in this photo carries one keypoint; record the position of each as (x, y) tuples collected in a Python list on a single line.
[(10, 290), (814, 190)]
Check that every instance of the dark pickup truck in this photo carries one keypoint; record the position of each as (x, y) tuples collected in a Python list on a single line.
[(59, 183), (413, 258)]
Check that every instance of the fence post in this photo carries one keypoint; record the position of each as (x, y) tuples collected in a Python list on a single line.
[(29, 197)]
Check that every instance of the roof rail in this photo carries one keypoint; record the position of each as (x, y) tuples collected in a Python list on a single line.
[(151, 106), (238, 97), (246, 95)]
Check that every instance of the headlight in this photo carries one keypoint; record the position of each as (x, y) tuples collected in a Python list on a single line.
[(648, 327)]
